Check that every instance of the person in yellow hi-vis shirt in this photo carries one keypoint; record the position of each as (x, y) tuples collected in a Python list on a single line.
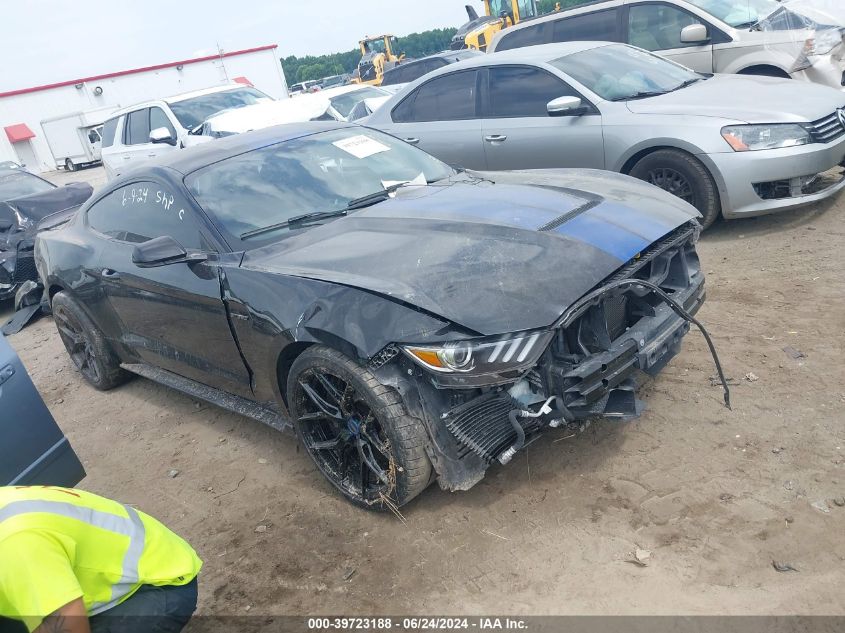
[(75, 562)]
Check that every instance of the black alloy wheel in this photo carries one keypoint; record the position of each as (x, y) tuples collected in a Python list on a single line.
[(343, 436), (358, 431), (86, 346), (79, 346)]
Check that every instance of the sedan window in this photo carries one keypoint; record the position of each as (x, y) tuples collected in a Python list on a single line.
[(617, 72), (191, 112), (345, 102), (313, 174), (447, 98), (523, 91), (144, 210)]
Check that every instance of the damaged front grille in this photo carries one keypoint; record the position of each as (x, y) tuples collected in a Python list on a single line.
[(593, 358)]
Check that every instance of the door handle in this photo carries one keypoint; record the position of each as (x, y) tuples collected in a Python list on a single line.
[(127, 157), (496, 138), (151, 155), (412, 141), (108, 273)]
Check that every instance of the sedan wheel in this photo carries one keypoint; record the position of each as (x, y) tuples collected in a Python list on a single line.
[(684, 176), (357, 431)]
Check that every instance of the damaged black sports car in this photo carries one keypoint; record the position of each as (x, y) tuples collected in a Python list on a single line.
[(413, 322), (27, 201)]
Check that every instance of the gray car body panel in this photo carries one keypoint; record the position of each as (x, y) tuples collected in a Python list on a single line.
[(690, 119)]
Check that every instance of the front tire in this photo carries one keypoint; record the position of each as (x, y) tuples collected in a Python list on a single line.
[(684, 176), (69, 166), (357, 431), (87, 347)]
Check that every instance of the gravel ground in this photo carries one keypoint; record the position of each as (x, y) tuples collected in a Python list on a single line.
[(714, 495)]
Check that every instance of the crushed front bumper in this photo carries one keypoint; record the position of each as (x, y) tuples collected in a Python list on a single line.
[(600, 345)]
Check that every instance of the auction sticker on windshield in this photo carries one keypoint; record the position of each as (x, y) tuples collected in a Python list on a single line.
[(361, 146)]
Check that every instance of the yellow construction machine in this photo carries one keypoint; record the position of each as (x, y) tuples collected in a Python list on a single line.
[(498, 15), (377, 55)]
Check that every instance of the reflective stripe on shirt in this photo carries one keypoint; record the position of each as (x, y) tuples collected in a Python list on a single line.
[(131, 527)]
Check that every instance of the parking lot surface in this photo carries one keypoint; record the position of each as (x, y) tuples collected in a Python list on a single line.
[(714, 495)]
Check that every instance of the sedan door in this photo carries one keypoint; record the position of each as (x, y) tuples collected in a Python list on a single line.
[(168, 316), (441, 117), (33, 450), (657, 26), (518, 131)]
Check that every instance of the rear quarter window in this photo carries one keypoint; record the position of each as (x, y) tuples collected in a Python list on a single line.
[(527, 36), (599, 26)]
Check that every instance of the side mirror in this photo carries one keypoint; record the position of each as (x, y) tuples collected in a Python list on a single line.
[(565, 106), (694, 34), (162, 135), (162, 251)]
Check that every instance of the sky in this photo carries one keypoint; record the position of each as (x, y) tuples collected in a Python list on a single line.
[(47, 41)]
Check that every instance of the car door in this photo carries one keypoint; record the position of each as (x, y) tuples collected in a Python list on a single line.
[(33, 450), (172, 316), (441, 117), (518, 131), (657, 26)]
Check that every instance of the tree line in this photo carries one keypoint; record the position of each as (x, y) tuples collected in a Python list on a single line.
[(298, 69)]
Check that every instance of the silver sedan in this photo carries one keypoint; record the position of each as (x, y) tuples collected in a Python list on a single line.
[(732, 145)]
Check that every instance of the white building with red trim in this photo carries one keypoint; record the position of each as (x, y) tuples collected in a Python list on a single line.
[(21, 111)]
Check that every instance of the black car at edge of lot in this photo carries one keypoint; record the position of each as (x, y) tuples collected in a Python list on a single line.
[(412, 321)]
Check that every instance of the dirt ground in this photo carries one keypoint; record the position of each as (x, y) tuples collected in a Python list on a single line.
[(715, 495)]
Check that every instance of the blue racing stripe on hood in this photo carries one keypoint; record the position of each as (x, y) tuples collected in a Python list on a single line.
[(613, 239)]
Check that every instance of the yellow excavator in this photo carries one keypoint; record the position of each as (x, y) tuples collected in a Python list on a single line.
[(498, 15), (377, 55)]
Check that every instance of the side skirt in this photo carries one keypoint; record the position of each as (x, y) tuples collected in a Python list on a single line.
[(222, 399)]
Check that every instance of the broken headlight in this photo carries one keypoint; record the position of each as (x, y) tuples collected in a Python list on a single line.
[(481, 361), (750, 138)]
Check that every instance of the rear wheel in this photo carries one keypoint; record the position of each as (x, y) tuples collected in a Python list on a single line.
[(357, 430), (69, 166), (86, 346), (684, 176)]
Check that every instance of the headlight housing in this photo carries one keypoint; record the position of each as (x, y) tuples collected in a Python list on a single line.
[(752, 138), (478, 362)]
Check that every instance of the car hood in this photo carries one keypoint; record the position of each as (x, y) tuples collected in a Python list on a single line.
[(746, 98), (493, 255), (29, 213)]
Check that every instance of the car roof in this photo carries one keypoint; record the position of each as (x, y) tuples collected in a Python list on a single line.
[(577, 9), (185, 161), (177, 98)]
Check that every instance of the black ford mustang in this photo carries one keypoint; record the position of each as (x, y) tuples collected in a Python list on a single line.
[(413, 322), (27, 202)]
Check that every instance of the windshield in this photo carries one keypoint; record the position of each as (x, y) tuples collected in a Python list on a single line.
[(618, 72), (192, 112), (375, 46), (738, 13), (17, 184), (313, 174), (345, 102)]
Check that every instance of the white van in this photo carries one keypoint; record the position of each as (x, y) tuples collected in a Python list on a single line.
[(149, 129)]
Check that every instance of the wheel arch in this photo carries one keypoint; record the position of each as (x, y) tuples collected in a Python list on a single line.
[(764, 70), (284, 362)]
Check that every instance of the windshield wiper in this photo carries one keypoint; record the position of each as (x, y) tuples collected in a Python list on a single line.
[(372, 198), (687, 83), (356, 203), (305, 218), (641, 95)]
